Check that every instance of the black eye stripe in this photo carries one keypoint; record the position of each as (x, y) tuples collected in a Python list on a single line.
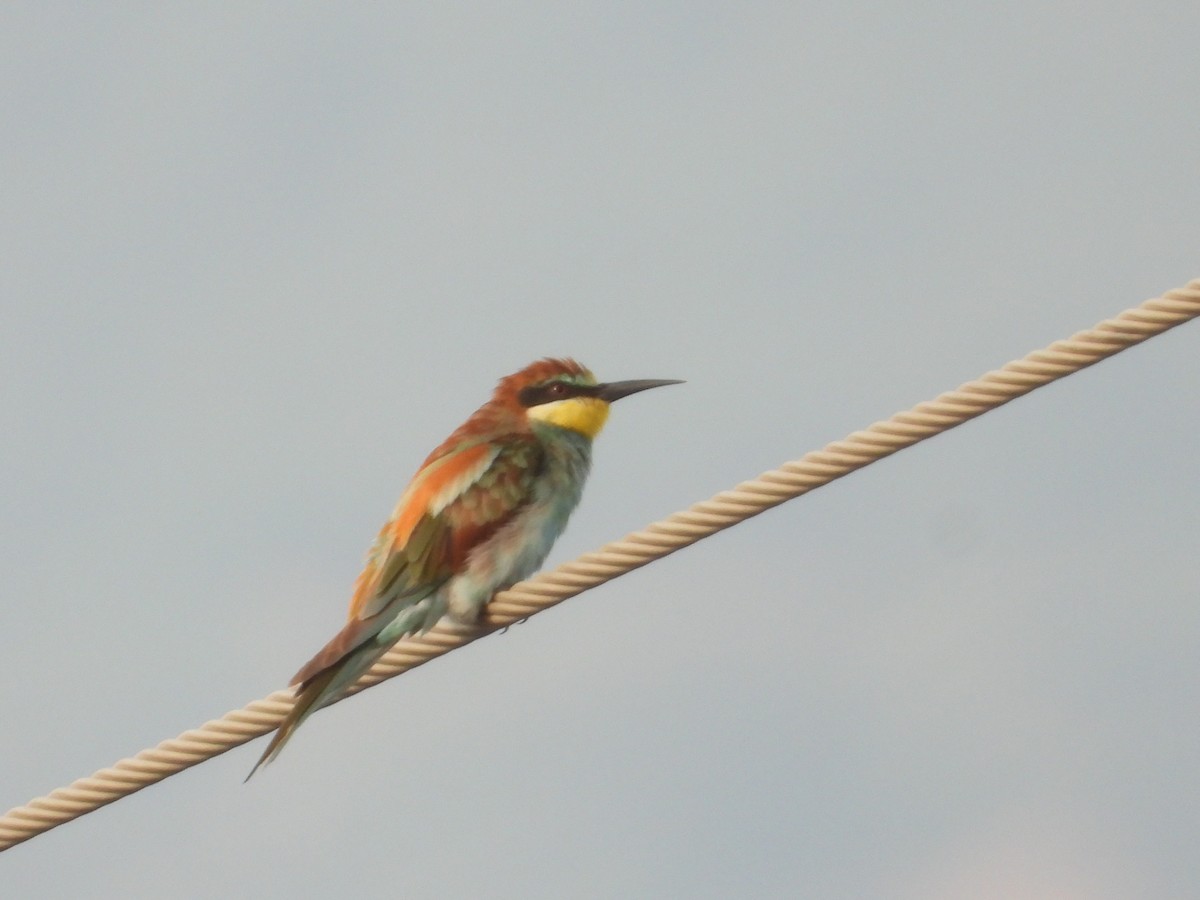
[(548, 392)]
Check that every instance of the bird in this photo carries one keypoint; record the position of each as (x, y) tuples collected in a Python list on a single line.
[(479, 515)]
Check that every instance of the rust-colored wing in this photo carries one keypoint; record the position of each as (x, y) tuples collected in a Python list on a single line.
[(454, 502)]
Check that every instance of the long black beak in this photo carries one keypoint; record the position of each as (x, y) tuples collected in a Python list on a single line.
[(615, 390)]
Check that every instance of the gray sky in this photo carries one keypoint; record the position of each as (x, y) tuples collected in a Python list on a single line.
[(257, 263)]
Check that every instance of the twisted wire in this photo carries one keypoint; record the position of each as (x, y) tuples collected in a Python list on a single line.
[(677, 531)]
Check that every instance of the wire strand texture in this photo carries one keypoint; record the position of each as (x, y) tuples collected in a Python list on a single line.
[(680, 530)]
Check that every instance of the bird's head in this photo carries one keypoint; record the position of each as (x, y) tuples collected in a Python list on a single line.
[(562, 393)]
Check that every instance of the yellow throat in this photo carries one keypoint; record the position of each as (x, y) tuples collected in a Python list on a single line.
[(585, 415)]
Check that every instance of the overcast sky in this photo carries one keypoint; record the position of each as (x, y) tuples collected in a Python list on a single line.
[(259, 259)]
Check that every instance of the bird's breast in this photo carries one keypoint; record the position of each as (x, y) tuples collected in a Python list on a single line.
[(521, 545)]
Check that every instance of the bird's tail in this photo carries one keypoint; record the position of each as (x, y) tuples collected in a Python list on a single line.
[(306, 705), (320, 689)]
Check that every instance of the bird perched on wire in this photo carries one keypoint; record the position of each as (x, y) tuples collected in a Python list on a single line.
[(481, 513)]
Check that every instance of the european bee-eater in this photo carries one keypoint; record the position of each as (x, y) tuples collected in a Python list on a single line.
[(480, 514)]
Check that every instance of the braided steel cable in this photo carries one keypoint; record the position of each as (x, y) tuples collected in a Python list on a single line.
[(633, 551)]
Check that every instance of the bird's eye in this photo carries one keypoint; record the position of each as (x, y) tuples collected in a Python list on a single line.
[(556, 389)]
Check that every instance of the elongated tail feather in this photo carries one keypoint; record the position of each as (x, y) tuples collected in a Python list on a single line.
[(340, 663), (319, 689), (306, 705)]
